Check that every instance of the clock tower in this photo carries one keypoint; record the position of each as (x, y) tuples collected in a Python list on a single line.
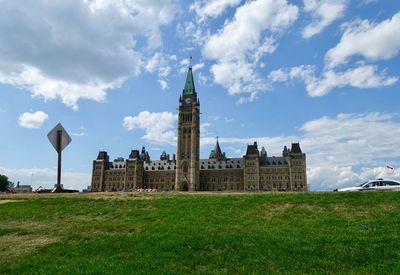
[(188, 146)]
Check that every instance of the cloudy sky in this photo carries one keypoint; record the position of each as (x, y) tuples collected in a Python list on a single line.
[(325, 73)]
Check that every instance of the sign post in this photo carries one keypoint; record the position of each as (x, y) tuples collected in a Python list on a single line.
[(60, 139)]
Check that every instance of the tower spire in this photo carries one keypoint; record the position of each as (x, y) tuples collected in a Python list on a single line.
[(189, 84)]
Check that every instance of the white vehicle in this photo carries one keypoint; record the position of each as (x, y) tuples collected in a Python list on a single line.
[(374, 185)]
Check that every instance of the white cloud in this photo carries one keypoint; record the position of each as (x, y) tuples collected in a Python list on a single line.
[(80, 133), (242, 34), (367, 2), (323, 13), (239, 45), (337, 147), (278, 76), (51, 88), (193, 32), (32, 120), (212, 8), (184, 64), (159, 127), (370, 40), (160, 63), (164, 84), (351, 139), (238, 77), (360, 77), (204, 128), (77, 49), (46, 177), (198, 66), (364, 76)]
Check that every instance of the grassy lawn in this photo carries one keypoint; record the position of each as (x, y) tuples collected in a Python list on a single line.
[(200, 233)]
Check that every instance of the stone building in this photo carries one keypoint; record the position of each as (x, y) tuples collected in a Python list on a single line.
[(255, 171)]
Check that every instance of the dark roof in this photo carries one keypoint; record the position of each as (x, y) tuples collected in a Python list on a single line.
[(160, 165), (215, 164), (296, 148), (134, 154), (252, 150), (103, 156), (274, 161)]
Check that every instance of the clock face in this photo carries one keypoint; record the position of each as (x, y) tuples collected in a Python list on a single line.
[(188, 100)]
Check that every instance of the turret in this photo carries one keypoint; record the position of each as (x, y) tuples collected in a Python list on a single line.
[(298, 171), (285, 151), (251, 168)]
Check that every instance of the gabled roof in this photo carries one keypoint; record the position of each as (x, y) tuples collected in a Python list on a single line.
[(189, 84)]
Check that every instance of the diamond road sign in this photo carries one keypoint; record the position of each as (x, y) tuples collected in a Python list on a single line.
[(65, 138)]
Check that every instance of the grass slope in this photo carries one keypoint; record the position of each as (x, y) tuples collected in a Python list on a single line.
[(220, 233)]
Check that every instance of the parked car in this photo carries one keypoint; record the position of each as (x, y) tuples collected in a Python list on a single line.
[(374, 185)]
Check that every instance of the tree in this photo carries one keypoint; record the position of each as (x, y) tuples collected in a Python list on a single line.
[(4, 183)]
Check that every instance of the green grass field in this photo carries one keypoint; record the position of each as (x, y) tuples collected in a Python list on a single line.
[(200, 233)]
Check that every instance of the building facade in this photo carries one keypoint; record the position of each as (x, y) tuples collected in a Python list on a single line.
[(185, 171)]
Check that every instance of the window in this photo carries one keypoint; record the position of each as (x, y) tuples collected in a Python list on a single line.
[(391, 183), (371, 184)]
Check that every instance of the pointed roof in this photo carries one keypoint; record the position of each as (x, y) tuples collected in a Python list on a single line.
[(217, 150), (189, 84), (217, 153)]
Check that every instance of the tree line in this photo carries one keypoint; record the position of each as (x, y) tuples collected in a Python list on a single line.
[(5, 183)]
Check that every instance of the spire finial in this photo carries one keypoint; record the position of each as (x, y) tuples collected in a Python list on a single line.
[(190, 61)]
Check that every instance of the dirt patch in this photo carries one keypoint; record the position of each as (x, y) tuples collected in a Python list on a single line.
[(387, 207), (9, 201), (15, 246), (28, 226), (272, 210)]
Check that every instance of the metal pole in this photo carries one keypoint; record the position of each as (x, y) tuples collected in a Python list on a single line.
[(59, 134)]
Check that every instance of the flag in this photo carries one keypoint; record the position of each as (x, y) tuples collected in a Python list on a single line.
[(390, 167)]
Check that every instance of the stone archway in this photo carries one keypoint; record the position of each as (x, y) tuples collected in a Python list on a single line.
[(185, 187)]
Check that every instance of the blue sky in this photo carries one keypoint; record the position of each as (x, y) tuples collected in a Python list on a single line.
[(323, 73)]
